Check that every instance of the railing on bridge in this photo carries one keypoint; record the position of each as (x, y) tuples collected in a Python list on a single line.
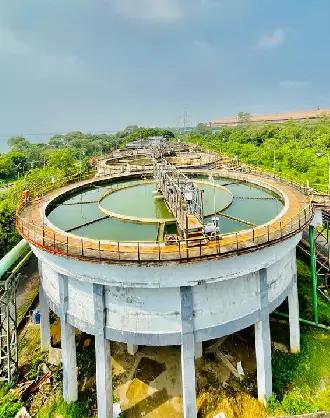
[(183, 198)]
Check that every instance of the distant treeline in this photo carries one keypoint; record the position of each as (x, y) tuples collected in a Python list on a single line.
[(298, 150), (29, 166)]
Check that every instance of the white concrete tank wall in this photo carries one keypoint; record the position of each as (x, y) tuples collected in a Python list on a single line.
[(145, 309)]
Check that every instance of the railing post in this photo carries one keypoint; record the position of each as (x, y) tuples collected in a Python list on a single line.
[(268, 232), (118, 250), (82, 247), (43, 236), (253, 231), (236, 241), (138, 247), (100, 250), (180, 249), (54, 240)]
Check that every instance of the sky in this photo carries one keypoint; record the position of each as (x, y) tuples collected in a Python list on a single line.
[(100, 65)]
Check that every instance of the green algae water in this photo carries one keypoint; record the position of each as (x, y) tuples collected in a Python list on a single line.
[(81, 214)]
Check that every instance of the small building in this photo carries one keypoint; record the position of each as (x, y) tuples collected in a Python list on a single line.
[(150, 141)]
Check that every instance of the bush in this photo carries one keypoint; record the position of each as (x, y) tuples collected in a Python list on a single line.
[(299, 401), (35, 370), (9, 409), (61, 408)]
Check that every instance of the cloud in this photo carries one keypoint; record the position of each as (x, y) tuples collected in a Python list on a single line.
[(162, 11), (293, 84), (272, 40)]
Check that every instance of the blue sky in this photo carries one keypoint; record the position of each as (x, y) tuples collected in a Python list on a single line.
[(103, 64)]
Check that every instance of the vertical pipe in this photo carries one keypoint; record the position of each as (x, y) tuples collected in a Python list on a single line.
[(313, 272)]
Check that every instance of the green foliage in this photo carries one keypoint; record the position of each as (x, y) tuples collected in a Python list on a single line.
[(9, 404), (300, 149), (61, 409), (8, 234), (306, 296), (299, 401), (61, 159), (137, 133), (86, 362), (9, 409), (35, 370), (18, 143), (243, 117), (297, 378), (12, 164)]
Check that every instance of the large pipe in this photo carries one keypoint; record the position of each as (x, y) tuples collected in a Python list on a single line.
[(15, 254)]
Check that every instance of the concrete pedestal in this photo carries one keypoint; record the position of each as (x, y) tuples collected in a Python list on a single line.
[(44, 314), (198, 350), (44, 320), (188, 354), (263, 357), (103, 357), (132, 349), (263, 342), (68, 344), (294, 317)]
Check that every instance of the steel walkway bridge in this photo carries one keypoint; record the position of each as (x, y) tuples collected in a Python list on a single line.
[(182, 197)]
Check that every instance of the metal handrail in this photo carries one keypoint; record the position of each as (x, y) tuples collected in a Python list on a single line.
[(58, 242)]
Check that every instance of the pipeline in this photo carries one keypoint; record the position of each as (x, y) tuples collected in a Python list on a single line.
[(303, 321), (14, 255)]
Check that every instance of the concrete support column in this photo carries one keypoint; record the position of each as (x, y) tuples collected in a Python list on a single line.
[(263, 342), (132, 349), (68, 344), (44, 315), (103, 356), (198, 350), (294, 317), (188, 354)]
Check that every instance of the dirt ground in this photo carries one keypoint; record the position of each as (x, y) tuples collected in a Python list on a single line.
[(148, 384)]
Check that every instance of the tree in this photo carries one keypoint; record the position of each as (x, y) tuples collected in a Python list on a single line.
[(202, 129), (18, 143), (61, 159), (244, 117)]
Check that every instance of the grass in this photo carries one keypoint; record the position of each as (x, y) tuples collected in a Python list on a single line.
[(24, 308), (301, 382), (60, 409), (306, 296)]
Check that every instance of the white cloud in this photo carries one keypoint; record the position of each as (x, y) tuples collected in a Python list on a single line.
[(151, 10), (293, 84), (272, 40)]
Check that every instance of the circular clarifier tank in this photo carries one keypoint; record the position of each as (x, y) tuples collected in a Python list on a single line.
[(133, 211), (108, 268)]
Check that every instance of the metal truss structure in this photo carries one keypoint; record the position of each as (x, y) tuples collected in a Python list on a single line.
[(8, 328)]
